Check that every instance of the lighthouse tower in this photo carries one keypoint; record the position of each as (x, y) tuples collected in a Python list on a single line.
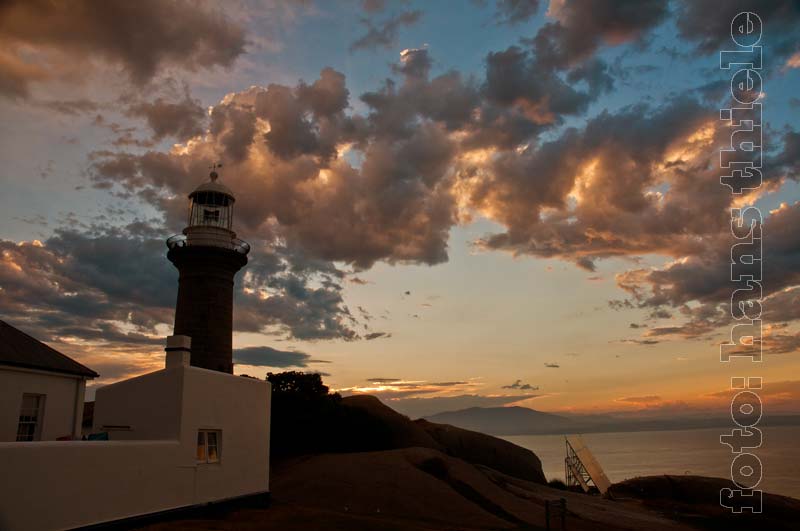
[(207, 256)]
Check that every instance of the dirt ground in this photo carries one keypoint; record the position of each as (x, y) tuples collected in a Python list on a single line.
[(416, 489)]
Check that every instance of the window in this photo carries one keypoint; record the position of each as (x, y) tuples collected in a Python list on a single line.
[(208, 446), (210, 216), (30, 418)]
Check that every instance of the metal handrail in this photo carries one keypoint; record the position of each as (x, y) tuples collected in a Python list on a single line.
[(178, 240), (236, 244), (240, 246)]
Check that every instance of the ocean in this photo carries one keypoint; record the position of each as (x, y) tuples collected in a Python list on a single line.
[(696, 452)]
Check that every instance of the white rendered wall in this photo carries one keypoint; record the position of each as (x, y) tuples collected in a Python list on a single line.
[(89, 482), (240, 408), (63, 405), (150, 404), (66, 484)]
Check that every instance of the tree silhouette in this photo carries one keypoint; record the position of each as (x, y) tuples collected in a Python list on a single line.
[(307, 418)]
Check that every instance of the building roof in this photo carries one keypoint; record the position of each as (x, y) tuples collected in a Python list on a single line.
[(213, 185), (18, 349)]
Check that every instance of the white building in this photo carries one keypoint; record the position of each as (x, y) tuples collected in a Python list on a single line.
[(190, 434), (179, 437), (41, 390)]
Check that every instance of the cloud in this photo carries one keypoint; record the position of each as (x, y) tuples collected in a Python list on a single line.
[(384, 34), (115, 285), (396, 206), (514, 12), (81, 285), (181, 120), (704, 277), (397, 389), (376, 335), (521, 386), (647, 400), (321, 186), (779, 396), (707, 23), (583, 26), (70, 107), (140, 37), (640, 341), (270, 357), (373, 6)]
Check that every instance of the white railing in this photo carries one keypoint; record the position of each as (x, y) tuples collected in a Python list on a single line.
[(235, 244)]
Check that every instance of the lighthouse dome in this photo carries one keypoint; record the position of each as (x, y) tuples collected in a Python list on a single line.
[(214, 186)]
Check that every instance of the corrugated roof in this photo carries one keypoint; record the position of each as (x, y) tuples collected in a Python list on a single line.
[(21, 350)]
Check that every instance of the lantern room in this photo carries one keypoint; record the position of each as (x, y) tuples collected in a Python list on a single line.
[(211, 205)]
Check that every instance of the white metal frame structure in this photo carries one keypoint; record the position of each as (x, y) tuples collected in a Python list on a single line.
[(581, 467)]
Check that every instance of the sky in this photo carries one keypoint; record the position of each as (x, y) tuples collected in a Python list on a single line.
[(450, 203)]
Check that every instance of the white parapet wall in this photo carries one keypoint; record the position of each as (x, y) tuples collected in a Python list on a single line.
[(150, 464)]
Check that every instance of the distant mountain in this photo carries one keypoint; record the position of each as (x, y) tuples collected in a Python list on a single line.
[(525, 421), (506, 421)]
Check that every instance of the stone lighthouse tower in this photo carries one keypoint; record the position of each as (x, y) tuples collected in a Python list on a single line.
[(208, 255)]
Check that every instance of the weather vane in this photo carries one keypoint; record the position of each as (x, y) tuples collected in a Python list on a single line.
[(214, 167)]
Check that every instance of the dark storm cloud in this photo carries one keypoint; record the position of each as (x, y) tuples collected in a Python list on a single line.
[(384, 34), (141, 37), (270, 357)]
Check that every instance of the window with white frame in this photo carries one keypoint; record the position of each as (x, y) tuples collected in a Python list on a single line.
[(208, 446), (30, 418)]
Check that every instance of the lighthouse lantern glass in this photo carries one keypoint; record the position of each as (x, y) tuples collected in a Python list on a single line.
[(211, 209)]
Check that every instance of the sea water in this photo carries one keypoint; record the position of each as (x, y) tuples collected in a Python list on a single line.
[(698, 452)]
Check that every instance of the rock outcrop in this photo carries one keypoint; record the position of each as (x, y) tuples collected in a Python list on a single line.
[(470, 446)]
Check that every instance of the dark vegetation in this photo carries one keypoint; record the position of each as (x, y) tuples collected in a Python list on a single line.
[(308, 419), (695, 500)]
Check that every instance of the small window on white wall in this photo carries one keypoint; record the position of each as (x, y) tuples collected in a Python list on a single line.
[(208, 446), (30, 418)]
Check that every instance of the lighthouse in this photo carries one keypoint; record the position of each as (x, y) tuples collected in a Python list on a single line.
[(207, 255)]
